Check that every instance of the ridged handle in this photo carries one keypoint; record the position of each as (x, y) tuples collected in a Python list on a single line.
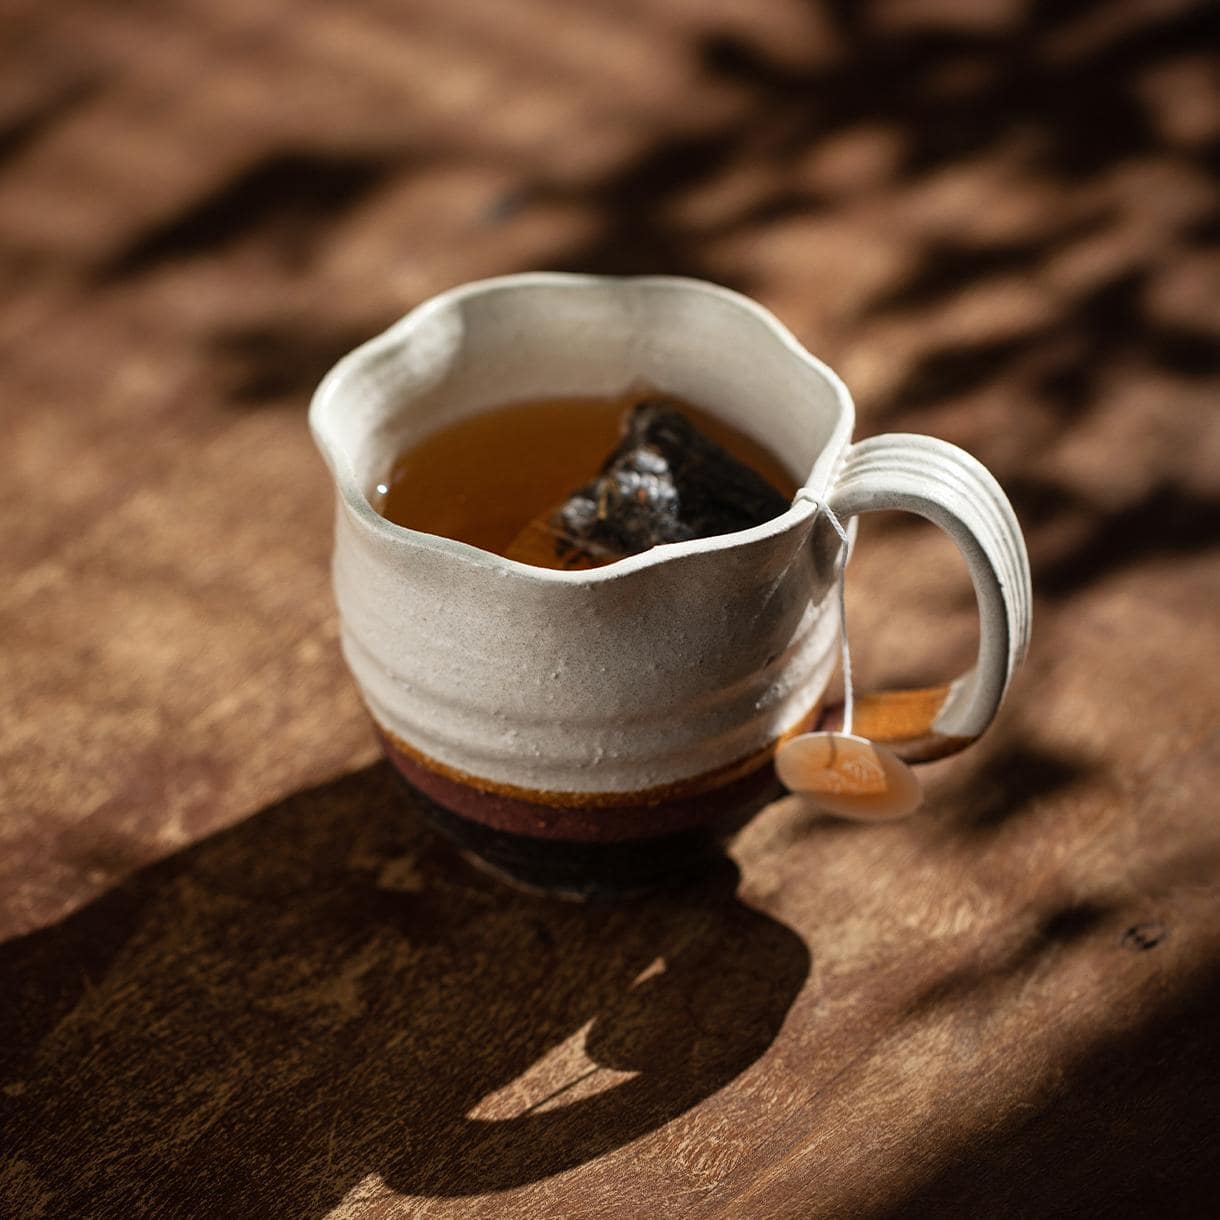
[(943, 483)]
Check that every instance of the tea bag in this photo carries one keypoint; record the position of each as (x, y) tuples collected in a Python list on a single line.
[(664, 482), (843, 773)]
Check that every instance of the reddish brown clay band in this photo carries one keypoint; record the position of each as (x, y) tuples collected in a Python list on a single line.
[(574, 824)]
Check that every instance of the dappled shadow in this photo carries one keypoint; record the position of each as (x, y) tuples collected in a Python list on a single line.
[(945, 265), (40, 118), (636, 232), (323, 992), (288, 199), (1012, 782), (1075, 541), (959, 91), (949, 95), (279, 362), (1067, 358)]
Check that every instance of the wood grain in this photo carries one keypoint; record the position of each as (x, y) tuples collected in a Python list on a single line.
[(239, 978)]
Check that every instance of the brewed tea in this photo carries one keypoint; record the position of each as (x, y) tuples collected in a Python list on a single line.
[(493, 477)]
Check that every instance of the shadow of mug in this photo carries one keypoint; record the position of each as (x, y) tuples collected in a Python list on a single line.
[(325, 992)]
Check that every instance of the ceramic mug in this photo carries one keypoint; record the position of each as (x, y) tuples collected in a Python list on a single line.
[(582, 730)]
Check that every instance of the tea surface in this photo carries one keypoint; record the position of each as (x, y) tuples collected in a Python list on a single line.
[(483, 479)]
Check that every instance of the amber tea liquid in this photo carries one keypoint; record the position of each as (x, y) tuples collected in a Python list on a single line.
[(483, 479)]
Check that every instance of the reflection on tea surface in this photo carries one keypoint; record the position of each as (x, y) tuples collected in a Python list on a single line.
[(579, 482)]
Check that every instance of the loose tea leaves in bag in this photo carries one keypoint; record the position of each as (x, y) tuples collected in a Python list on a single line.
[(665, 481)]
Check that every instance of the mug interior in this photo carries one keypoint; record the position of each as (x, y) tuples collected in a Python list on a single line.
[(549, 336)]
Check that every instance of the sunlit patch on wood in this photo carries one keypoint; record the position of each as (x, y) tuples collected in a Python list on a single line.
[(657, 966), (565, 1074), (367, 1192)]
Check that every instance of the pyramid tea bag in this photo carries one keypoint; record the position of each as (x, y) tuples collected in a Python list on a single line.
[(665, 481)]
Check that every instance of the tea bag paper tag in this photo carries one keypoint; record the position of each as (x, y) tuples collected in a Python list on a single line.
[(839, 772), (849, 776)]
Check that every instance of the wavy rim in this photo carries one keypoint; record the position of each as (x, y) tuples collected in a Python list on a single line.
[(331, 388)]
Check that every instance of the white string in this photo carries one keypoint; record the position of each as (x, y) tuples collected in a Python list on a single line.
[(844, 650)]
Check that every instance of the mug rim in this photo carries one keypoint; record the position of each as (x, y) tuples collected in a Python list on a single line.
[(802, 508)]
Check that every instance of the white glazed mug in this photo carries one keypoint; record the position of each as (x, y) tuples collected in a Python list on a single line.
[(578, 728)]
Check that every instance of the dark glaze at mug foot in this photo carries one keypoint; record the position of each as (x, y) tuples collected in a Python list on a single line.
[(579, 870)]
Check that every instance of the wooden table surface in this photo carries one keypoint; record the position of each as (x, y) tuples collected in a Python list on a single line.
[(239, 979)]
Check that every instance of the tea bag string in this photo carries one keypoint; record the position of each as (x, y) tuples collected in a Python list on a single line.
[(844, 649)]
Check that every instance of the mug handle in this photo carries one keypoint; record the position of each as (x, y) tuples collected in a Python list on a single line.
[(943, 483)]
